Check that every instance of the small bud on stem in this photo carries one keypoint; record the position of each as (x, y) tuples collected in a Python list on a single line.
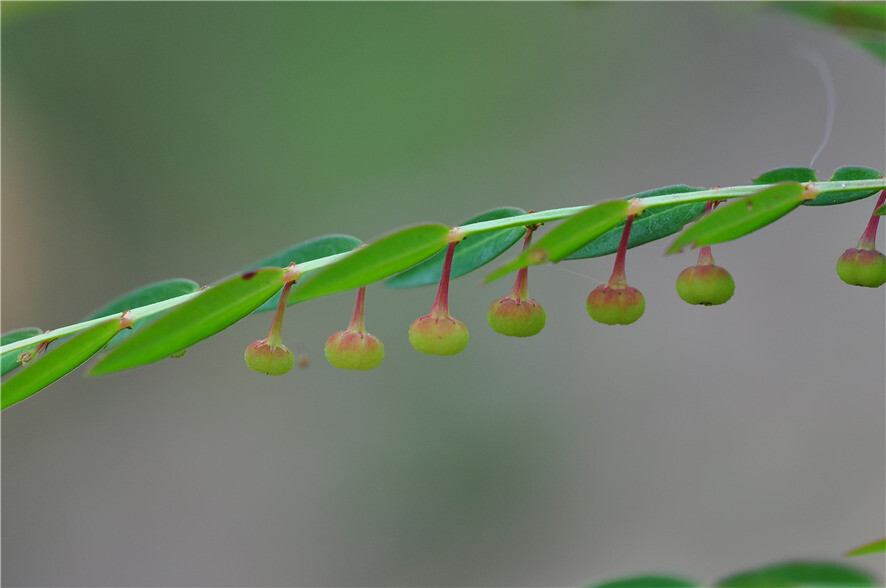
[(864, 265), (438, 333), (354, 348), (616, 303), (518, 315), (269, 355)]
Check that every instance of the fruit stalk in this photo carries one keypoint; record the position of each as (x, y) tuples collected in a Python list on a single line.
[(520, 290), (440, 309), (617, 280), (869, 237), (275, 335)]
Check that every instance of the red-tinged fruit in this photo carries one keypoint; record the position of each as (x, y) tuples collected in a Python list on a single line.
[(274, 360), (438, 335), (516, 318), (862, 267), (352, 350), (615, 305), (705, 284)]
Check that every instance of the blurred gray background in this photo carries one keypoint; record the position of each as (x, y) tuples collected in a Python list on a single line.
[(149, 141)]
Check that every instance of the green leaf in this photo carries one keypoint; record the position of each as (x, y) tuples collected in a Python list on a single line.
[(787, 174), (847, 174), (861, 22), (741, 217), (302, 252), (571, 234), (648, 581), (881, 211), (798, 574), (216, 308), (650, 225), (472, 252), (156, 292), (388, 255), (878, 546), (875, 46), (9, 360), (54, 364)]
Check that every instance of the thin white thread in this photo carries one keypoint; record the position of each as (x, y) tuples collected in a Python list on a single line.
[(815, 58), (579, 274)]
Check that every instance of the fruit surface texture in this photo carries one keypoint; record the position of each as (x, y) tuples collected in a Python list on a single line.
[(615, 305), (705, 284), (438, 335), (862, 267)]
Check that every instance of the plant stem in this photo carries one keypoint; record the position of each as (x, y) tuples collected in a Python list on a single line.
[(618, 280), (356, 324), (533, 218), (520, 290), (704, 254), (275, 335), (441, 303), (869, 237)]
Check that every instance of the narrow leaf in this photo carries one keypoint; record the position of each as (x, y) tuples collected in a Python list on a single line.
[(56, 363), (881, 211), (741, 217), (10, 359), (473, 252), (302, 252), (571, 234), (787, 174), (797, 574), (878, 546), (156, 292), (648, 581), (386, 256), (651, 225), (214, 309), (847, 174)]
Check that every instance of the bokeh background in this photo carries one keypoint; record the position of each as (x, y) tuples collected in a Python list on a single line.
[(148, 141)]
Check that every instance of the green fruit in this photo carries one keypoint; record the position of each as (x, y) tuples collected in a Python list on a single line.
[(352, 350), (705, 284), (438, 335), (516, 318), (274, 360), (615, 305), (862, 267)]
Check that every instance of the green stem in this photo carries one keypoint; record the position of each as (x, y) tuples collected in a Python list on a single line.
[(533, 218)]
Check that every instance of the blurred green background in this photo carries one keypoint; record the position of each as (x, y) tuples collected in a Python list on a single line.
[(145, 141)]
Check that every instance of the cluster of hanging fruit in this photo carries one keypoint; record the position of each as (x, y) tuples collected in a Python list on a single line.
[(518, 315)]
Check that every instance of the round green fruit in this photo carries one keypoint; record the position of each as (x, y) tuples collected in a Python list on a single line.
[(705, 284), (352, 350), (862, 267), (438, 335), (274, 360), (516, 318), (615, 305)]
